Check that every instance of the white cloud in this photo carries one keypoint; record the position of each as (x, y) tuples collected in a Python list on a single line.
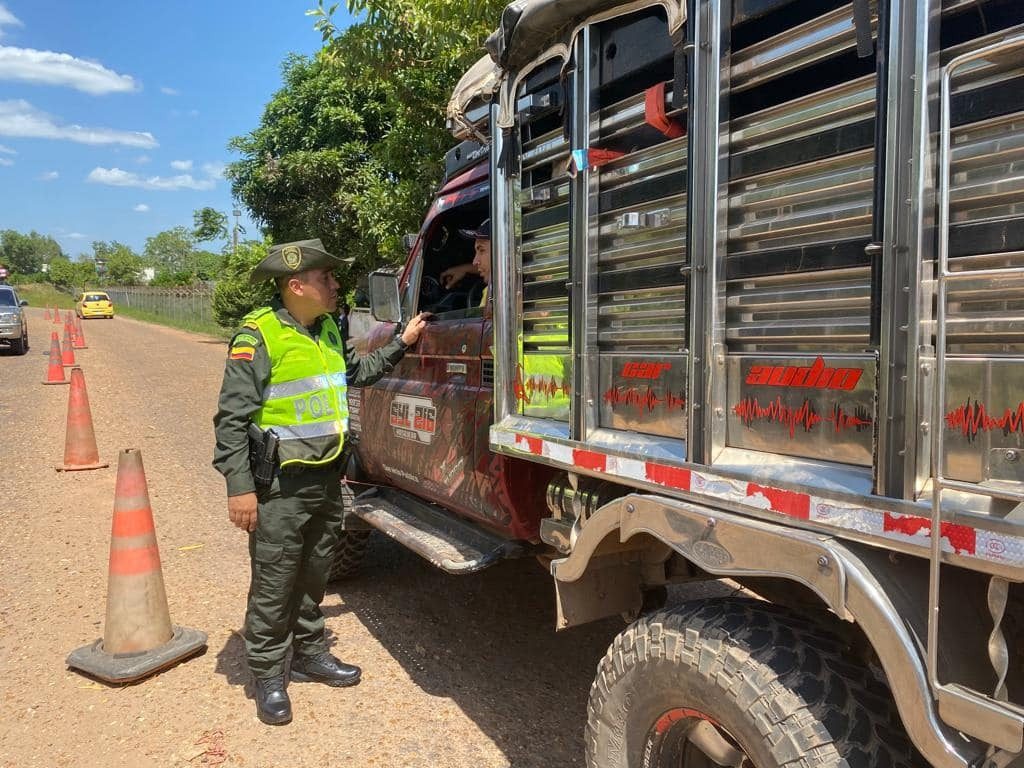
[(7, 19), (167, 91), (193, 113), (214, 170), (142, 159), (51, 68), (75, 236), (181, 165), (49, 176), (5, 162), (19, 118), (6, 150), (115, 177), (141, 208)]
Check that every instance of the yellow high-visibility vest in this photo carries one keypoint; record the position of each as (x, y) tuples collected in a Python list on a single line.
[(306, 400)]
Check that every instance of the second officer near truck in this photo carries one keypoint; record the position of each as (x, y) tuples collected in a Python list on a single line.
[(286, 380)]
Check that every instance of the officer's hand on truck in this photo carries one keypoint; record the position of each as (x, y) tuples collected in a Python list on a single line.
[(412, 331)]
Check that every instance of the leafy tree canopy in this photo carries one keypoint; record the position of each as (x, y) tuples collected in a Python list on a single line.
[(170, 250), (351, 148), (121, 264), (27, 253), (234, 296), (209, 224), (177, 261), (72, 275)]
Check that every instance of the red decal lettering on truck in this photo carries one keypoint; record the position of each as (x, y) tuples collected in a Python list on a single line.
[(817, 376), (637, 370)]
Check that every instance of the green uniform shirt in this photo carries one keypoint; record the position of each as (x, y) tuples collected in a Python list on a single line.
[(246, 375)]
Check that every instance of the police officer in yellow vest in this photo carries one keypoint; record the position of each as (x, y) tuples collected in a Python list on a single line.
[(287, 371)]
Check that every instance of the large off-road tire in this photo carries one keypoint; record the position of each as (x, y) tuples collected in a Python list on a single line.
[(20, 346), (352, 545), (349, 555), (745, 682)]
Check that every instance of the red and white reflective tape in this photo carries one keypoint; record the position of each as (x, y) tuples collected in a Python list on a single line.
[(910, 529)]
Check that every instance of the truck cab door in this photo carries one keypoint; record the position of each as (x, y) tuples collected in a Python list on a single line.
[(431, 401), (419, 425)]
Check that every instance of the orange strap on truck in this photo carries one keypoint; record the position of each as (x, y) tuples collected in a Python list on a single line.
[(654, 112)]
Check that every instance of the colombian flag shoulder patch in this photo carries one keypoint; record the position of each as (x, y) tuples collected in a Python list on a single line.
[(242, 353)]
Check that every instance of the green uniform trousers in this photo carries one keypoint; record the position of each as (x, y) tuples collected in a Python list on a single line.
[(297, 528)]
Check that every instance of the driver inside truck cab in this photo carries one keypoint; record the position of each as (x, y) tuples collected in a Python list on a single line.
[(481, 264)]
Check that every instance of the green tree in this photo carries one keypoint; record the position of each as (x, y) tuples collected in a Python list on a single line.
[(234, 296), (122, 264), (27, 253), (209, 224), (170, 251), (303, 167), (417, 50), (72, 275), (351, 148), (206, 265), (177, 261)]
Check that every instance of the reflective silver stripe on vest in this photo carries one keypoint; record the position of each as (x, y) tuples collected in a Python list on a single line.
[(306, 431), (302, 386)]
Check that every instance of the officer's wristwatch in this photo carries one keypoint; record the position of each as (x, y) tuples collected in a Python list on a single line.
[(401, 341)]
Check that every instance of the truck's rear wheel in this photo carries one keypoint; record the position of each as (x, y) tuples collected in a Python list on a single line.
[(737, 683)]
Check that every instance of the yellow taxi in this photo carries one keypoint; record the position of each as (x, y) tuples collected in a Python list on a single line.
[(94, 304)]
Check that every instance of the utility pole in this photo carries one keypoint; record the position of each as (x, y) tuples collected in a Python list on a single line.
[(234, 233)]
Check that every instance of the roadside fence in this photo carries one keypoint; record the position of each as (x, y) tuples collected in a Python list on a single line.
[(185, 305)]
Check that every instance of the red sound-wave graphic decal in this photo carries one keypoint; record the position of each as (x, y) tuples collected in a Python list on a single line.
[(972, 418), (805, 417), (548, 386), (643, 398)]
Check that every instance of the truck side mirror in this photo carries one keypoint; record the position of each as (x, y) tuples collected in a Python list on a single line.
[(24, 303), (385, 303), (409, 240)]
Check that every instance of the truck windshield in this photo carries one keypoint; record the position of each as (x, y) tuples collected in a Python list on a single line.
[(7, 299)]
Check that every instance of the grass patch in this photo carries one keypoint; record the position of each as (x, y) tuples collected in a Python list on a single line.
[(195, 326), (43, 295)]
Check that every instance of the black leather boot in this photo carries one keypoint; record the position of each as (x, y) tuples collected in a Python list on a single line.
[(273, 706), (324, 668)]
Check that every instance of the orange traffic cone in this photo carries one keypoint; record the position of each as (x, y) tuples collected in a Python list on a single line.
[(67, 354), (56, 315), (55, 369), (80, 439), (138, 637), (71, 331), (78, 340), (49, 318)]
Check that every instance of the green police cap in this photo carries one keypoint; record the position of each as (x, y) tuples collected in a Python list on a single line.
[(293, 258)]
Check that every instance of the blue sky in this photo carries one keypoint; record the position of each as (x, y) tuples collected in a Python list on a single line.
[(115, 115)]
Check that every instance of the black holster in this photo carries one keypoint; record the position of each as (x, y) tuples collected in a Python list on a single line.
[(263, 455)]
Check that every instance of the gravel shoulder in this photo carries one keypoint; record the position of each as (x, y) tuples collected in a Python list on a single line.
[(457, 671)]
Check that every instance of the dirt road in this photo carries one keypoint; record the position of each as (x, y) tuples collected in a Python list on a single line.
[(457, 671)]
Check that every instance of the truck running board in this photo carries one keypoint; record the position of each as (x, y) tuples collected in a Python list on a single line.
[(453, 545)]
